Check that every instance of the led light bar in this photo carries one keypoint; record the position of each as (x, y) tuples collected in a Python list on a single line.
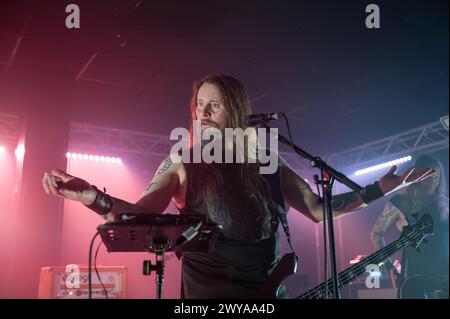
[(20, 151), (383, 165), (94, 158)]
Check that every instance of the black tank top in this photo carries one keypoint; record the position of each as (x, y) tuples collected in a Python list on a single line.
[(247, 250)]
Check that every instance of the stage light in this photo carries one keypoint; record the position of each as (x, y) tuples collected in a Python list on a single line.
[(2, 149), (92, 158), (383, 165), (20, 151)]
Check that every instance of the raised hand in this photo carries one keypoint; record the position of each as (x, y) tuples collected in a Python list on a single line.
[(70, 187), (391, 182)]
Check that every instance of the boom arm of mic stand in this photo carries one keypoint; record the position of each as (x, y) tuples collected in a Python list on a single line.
[(317, 162)]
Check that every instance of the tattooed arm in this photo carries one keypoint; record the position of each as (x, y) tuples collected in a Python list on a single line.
[(389, 217), (298, 194), (164, 186), (169, 182)]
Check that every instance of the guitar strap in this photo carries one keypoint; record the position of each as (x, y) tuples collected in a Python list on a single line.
[(282, 215), (277, 196)]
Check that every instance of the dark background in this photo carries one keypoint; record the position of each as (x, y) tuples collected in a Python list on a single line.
[(314, 60), (131, 66)]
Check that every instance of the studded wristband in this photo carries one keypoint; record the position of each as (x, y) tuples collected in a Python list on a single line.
[(371, 193), (102, 204)]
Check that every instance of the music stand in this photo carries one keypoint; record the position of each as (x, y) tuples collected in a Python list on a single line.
[(159, 234)]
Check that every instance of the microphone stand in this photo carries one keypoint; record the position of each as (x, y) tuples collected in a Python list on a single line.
[(328, 175)]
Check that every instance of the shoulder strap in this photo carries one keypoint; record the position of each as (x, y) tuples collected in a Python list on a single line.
[(277, 197), (283, 219)]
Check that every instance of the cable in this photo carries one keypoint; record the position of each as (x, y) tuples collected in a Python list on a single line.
[(96, 271), (90, 265)]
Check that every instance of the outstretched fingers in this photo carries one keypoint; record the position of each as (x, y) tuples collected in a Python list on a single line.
[(421, 175), (407, 174), (49, 183), (45, 184)]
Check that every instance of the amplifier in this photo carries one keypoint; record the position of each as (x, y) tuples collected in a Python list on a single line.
[(56, 283), (386, 293)]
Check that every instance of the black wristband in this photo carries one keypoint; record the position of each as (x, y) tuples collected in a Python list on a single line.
[(371, 193), (102, 204)]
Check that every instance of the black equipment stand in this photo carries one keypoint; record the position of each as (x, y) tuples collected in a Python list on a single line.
[(159, 234)]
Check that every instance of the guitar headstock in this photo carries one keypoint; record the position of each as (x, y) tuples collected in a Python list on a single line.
[(418, 231)]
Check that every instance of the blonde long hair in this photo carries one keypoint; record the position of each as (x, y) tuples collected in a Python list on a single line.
[(237, 106), (439, 196)]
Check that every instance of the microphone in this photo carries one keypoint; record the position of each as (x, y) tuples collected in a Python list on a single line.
[(255, 119)]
